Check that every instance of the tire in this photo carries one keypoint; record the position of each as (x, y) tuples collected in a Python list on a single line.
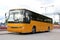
[(48, 29), (33, 30)]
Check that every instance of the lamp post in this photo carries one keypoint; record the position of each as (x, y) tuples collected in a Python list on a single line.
[(59, 18), (45, 8)]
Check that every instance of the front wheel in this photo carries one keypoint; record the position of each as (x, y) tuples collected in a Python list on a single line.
[(33, 30)]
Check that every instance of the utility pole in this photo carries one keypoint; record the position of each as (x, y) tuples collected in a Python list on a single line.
[(59, 19)]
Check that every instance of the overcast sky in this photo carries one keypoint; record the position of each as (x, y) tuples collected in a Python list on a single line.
[(34, 5)]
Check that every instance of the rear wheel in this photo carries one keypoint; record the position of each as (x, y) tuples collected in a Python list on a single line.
[(48, 29), (33, 30)]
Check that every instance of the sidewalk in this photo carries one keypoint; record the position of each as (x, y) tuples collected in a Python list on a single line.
[(3, 29)]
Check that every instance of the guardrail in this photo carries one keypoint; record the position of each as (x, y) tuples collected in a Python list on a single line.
[(57, 26), (2, 28)]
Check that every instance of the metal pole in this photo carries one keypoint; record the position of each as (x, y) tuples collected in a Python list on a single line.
[(45, 10), (59, 19)]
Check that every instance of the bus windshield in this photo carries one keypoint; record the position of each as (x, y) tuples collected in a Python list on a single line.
[(16, 16)]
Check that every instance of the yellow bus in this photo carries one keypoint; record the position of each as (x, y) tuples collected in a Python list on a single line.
[(26, 21)]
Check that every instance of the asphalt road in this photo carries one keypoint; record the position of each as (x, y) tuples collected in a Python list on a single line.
[(53, 35)]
